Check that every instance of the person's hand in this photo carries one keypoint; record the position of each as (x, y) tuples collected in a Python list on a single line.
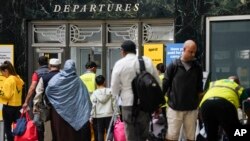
[(25, 105), (91, 120)]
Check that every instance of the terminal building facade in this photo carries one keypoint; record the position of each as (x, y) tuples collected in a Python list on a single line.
[(86, 30)]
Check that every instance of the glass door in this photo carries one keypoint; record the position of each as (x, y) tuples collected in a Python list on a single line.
[(85, 54), (113, 55)]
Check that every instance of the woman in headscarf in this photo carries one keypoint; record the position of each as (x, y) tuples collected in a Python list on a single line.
[(71, 105), (10, 97)]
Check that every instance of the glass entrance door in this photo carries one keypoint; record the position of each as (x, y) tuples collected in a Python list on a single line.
[(82, 55), (113, 55)]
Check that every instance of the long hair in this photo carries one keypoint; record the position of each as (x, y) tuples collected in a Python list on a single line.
[(7, 65)]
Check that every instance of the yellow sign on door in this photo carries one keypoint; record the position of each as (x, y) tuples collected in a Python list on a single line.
[(155, 52)]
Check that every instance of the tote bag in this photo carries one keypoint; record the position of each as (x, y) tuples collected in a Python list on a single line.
[(119, 131), (30, 133), (20, 125)]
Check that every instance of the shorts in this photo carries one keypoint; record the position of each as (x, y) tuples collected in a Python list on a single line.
[(177, 119)]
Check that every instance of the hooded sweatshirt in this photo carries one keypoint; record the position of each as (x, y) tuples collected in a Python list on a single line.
[(103, 103), (12, 91)]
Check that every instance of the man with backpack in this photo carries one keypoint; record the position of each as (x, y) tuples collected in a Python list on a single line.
[(124, 72), (183, 84)]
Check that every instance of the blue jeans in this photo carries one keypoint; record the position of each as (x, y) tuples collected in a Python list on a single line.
[(40, 126)]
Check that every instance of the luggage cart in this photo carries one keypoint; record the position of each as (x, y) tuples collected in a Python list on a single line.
[(113, 119)]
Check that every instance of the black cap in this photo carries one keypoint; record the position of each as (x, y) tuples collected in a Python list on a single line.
[(129, 46), (90, 64)]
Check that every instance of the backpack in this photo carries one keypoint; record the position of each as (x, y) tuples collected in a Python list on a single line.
[(148, 95)]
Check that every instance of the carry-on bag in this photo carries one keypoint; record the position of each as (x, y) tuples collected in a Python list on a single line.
[(30, 133)]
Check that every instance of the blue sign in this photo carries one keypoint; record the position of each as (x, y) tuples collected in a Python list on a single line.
[(173, 51)]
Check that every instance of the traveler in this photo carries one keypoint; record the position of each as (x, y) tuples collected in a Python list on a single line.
[(183, 84), (70, 105), (103, 108), (54, 68), (123, 73), (42, 70)]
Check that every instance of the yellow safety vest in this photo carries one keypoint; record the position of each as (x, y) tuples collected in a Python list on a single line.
[(224, 88), (89, 80), (161, 76)]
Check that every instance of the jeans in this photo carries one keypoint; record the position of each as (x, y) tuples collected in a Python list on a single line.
[(40, 126)]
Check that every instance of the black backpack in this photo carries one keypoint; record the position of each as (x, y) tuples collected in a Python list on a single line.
[(148, 95)]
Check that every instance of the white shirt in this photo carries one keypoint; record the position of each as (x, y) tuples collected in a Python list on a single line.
[(39, 94), (124, 72)]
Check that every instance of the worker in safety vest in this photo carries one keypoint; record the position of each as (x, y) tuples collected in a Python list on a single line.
[(219, 108), (88, 77)]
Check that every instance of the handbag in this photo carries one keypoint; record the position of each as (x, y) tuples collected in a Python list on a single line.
[(20, 125), (119, 131), (30, 133)]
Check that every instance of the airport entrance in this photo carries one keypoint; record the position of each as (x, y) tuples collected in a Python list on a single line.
[(97, 41)]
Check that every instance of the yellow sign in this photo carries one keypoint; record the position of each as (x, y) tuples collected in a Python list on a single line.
[(6, 53), (155, 52)]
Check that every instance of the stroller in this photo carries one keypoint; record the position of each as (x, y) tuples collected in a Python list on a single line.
[(158, 128)]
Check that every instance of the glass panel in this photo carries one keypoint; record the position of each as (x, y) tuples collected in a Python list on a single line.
[(49, 33), (91, 54), (230, 50), (112, 56), (158, 32), (119, 33), (85, 34)]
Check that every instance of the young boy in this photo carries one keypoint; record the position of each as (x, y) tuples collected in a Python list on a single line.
[(102, 109)]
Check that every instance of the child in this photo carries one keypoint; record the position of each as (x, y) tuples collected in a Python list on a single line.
[(102, 109)]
